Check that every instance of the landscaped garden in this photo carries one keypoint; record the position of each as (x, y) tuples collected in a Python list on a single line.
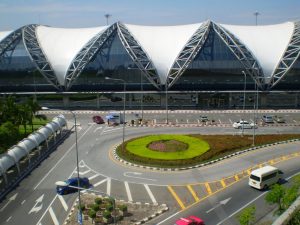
[(169, 150)]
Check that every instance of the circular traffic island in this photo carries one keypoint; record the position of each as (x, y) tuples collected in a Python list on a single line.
[(165, 150)]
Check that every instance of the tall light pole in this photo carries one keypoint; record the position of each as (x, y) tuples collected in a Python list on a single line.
[(107, 16), (124, 101), (244, 101), (256, 14), (77, 160), (254, 112), (167, 113)]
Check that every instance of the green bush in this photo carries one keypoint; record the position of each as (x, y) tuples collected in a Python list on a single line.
[(98, 201), (92, 214), (82, 207), (123, 208), (109, 207), (95, 207), (106, 214)]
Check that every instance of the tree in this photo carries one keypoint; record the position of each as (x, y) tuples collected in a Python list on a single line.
[(33, 107), (275, 196), (247, 216), (8, 136), (290, 196)]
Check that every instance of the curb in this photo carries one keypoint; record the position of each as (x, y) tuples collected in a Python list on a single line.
[(198, 165)]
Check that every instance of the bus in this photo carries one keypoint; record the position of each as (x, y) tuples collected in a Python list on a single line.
[(264, 177)]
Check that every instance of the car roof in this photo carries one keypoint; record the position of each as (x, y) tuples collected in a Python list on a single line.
[(195, 218)]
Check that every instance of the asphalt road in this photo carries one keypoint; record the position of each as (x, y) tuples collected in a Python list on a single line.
[(36, 201)]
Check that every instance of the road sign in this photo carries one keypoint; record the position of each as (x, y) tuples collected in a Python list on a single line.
[(79, 217)]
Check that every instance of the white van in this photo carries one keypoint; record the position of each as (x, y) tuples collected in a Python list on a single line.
[(264, 177)]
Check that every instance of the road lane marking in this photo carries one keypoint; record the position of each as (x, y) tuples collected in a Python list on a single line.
[(193, 193), (23, 202), (208, 188), (47, 174), (98, 128), (53, 216), (236, 177), (93, 177), (63, 202), (108, 186), (150, 194), (8, 219), (84, 173), (100, 182), (223, 183), (128, 191), (249, 171), (176, 197)]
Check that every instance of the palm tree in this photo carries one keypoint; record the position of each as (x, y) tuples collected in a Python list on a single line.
[(33, 108)]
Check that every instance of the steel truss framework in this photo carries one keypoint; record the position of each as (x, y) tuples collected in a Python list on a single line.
[(9, 44), (188, 53), (289, 57), (87, 53), (245, 57), (37, 56), (138, 55)]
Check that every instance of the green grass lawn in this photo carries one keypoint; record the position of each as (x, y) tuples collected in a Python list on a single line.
[(195, 148), (203, 148)]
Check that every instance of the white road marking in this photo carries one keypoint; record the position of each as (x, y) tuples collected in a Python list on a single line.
[(12, 198), (128, 191), (23, 202), (220, 121), (108, 185), (84, 173), (63, 202), (47, 174), (150, 193), (128, 174), (98, 128), (8, 219), (230, 121), (100, 182), (93, 177), (53, 216), (38, 205), (111, 130)]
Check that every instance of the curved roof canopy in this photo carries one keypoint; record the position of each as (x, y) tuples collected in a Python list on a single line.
[(267, 43), (4, 34), (61, 45), (163, 43)]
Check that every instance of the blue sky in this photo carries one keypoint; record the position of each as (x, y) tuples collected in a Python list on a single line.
[(89, 13)]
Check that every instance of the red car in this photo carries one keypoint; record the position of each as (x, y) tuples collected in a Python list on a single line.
[(191, 220), (98, 119)]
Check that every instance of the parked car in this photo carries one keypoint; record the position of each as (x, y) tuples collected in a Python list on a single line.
[(268, 119), (203, 118), (243, 123), (66, 189), (191, 220), (98, 119), (279, 119)]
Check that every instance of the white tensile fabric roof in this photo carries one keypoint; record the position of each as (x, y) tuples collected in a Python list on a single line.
[(4, 34), (266, 43), (61, 45), (163, 44)]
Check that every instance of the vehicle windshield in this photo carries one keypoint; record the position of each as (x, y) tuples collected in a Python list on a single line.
[(253, 177)]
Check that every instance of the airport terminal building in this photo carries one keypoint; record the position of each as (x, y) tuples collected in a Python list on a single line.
[(204, 65)]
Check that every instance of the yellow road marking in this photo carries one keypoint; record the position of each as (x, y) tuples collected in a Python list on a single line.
[(193, 193), (208, 188), (249, 171), (176, 197), (223, 183), (271, 161), (236, 177)]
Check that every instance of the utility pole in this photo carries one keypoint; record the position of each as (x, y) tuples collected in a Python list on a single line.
[(256, 14), (107, 16)]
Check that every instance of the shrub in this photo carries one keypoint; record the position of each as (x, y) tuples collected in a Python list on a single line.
[(92, 214), (95, 207), (109, 207), (123, 208), (106, 214), (98, 201)]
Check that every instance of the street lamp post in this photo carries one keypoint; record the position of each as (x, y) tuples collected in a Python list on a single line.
[(167, 113), (77, 158), (256, 14), (64, 184), (124, 102), (244, 100)]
